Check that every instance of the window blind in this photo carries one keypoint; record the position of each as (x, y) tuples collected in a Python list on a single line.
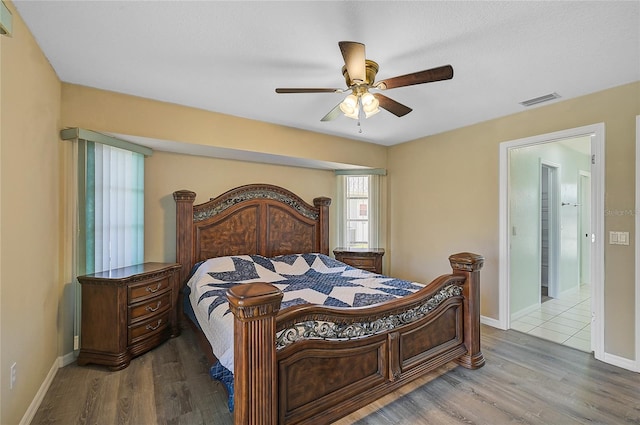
[(113, 207)]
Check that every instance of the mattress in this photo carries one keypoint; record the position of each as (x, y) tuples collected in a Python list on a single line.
[(303, 278)]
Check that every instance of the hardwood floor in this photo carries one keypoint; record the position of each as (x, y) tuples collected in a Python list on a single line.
[(526, 380)]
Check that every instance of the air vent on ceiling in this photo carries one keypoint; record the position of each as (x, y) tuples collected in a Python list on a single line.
[(536, 100)]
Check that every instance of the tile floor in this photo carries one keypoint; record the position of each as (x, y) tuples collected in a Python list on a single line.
[(565, 320)]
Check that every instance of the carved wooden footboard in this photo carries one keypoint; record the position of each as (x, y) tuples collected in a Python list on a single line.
[(314, 364)]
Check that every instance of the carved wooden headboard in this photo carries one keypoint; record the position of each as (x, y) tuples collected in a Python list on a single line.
[(252, 219)]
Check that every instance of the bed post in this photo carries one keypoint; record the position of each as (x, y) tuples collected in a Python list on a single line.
[(254, 307), (322, 203), (184, 239), (469, 265)]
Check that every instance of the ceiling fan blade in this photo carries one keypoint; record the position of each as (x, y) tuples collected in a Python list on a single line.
[(354, 60), (396, 108), (420, 77), (333, 114), (307, 90)]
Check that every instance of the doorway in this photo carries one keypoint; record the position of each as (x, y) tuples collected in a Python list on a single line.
[(549, 189), (580, 206)]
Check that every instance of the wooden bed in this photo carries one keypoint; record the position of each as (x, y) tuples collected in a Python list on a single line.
[(300, 376)]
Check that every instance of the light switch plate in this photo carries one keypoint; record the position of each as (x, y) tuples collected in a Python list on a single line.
[(613, 238), (623, 238), (618, 238)]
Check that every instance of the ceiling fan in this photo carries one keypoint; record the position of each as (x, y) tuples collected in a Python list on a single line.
[(360, 74)]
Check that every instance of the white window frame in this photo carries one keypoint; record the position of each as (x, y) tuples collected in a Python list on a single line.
[(374, 206)]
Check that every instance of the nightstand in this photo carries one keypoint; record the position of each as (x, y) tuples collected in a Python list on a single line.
[(369, 259), (127, 311)]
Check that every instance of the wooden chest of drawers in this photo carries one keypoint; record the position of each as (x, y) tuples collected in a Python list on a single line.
[(126, 312), (369, 259)]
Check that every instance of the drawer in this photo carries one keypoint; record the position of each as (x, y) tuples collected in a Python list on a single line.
[(127, 311), (149, 307), (147, 328), (366, 263), (148, 289)]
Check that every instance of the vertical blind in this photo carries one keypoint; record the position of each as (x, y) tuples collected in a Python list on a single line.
[(113, 207)]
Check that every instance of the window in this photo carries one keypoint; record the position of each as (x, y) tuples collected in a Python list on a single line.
[(109, 206), (357, 221), (358, 209), (113, 207)]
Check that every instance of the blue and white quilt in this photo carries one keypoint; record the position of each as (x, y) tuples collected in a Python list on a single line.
[(303, 278)]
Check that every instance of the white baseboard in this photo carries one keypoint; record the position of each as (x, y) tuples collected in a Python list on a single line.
[(61, 361), (33, 407), (494, 323), (518, 314), (67, 359), (622, 362)]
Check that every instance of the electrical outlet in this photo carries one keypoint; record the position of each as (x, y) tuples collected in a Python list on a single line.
[(12, 374)]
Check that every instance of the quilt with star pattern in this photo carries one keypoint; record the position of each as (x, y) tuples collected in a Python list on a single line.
[(303, 278)]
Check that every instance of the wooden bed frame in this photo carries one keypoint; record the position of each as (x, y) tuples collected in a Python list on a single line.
[(316, 364)]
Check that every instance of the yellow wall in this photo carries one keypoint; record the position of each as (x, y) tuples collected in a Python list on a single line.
[(443, 198), (104, 111), (209, 177), (29, 218)]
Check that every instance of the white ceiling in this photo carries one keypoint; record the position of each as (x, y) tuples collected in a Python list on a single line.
[(228, 57)]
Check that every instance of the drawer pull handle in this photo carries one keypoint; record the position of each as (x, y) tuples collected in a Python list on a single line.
[(153, 328), (152, 309), (156, 289)]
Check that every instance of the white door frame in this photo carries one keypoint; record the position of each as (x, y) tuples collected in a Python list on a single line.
[(597, 133), (583, 174)]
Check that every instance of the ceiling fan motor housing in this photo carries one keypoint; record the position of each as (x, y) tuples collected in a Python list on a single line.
[(371, 69)]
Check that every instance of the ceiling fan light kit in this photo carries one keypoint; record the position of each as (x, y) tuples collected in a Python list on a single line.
[(350, 106), (369, 104), (360, 98), (359, 74)]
